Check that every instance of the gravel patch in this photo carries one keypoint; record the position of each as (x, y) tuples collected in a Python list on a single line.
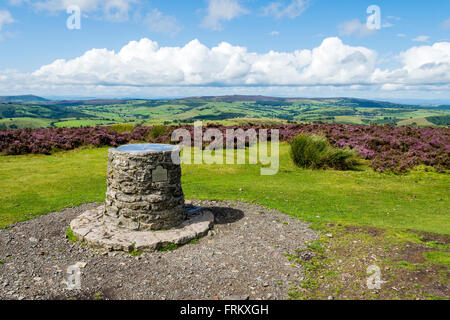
[(243, 257)]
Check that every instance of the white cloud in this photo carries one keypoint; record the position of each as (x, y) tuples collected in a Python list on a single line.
[(424, 65), (113, 10), (360, 29), (354, 27), (274, 33), (280, 10), (421, 39), (5, 18), (222, 10), (159, 22), (401, 35), (17, 2), (446, 24), (144, 64)]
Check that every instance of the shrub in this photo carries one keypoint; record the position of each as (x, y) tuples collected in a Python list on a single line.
[(122, 127), (158, 131), (316, 152), (388, 148)]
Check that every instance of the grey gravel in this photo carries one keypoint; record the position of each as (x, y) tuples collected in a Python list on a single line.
[(243, 257)]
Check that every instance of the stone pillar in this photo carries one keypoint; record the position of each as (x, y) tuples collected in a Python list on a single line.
[(144, 188)]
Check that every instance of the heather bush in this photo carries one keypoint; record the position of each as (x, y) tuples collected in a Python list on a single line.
[(315, 152), (389, 149)]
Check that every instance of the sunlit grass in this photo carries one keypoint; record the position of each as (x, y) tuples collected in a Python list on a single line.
[(39, 184)]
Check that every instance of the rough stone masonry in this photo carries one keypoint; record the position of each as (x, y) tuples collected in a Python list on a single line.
[(144, 189), (144, 207)]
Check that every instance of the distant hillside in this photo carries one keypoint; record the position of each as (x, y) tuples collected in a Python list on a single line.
[(93, 102), (233, 98), (22, 99), (32, 111), (338, 101)]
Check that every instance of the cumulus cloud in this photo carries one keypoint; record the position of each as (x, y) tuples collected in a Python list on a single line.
[(291, 10), (144, 64), (421, 39), (424, 65), (222, 10)]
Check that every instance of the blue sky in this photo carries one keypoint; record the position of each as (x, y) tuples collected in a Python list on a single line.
[(408, 57)]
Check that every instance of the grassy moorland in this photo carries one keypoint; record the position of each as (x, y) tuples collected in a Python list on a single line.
[(398, 222), (35, 184)]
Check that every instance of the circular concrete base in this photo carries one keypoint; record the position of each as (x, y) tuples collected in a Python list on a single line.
[(90, 228)]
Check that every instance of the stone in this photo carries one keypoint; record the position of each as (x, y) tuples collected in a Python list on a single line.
[(144, 208), (159, 174), (144, 188), (114, 238)]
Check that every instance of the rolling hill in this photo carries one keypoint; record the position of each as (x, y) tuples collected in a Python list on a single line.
[(32, 111), (22, 99)]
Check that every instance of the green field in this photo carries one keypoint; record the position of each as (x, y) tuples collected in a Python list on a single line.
[(234, 108), (33, 185)]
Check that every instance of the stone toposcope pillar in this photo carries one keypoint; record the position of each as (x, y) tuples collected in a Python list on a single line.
[(144, 208), (144, 187)]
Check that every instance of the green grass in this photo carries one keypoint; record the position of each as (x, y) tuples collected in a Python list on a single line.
[(98, 296), (438, 257), (82, 123), (125, 127), (134, 252), (420, 121), (70, 236), (169, 247), (33, 185), (24, 123)]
